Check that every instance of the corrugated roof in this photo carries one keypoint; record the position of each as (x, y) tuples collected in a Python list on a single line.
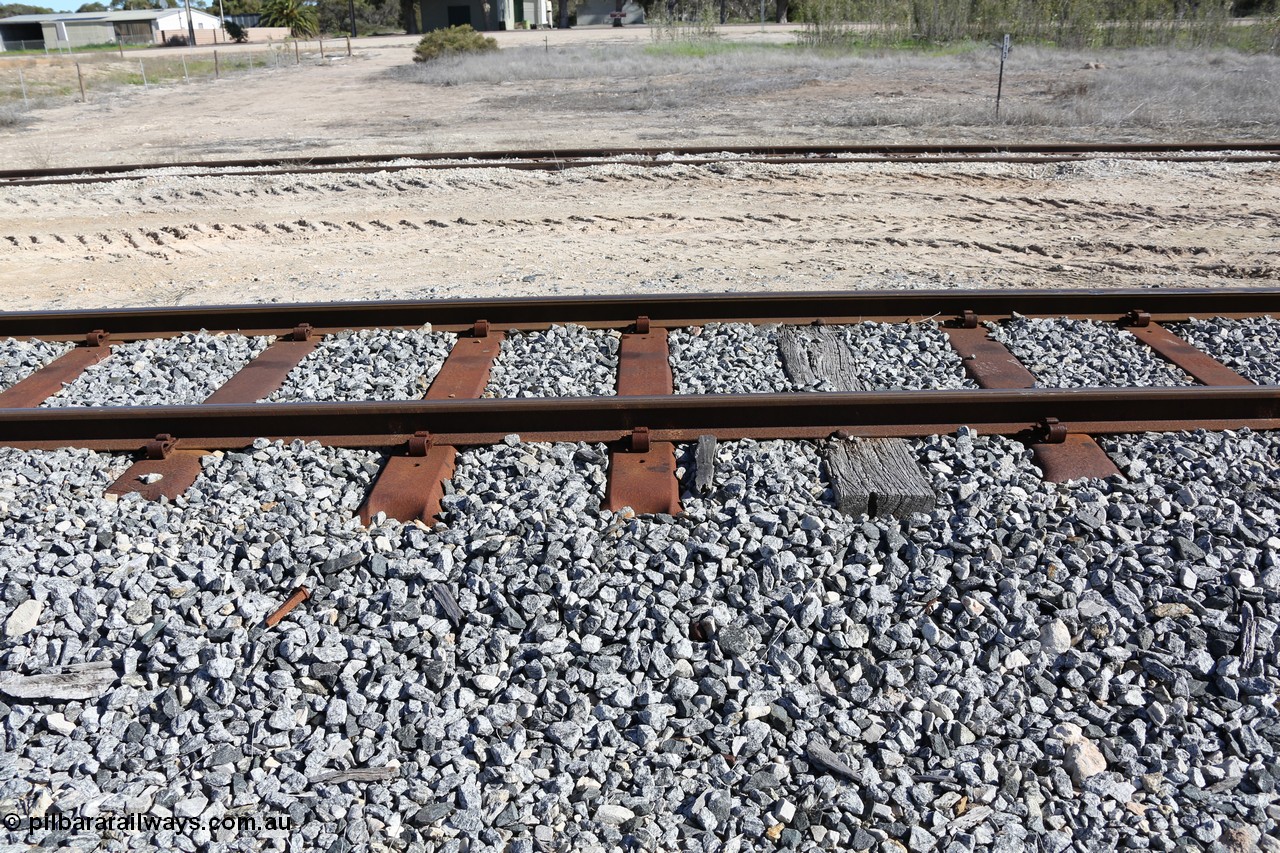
[(111, 17)]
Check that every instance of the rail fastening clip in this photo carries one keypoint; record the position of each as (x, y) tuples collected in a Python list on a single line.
[(419, 443), (1050, 431), (159, 447)]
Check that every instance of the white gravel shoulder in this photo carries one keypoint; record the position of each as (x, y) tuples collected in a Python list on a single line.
[(1250, 346), (1084, 354), (21, 358), (370, 364), (562, 361), (179, 371)]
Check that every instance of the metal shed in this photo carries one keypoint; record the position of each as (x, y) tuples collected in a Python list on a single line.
[(69, 30)]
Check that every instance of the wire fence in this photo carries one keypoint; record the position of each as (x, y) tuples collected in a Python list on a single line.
[(24, 46), (45, 48), (81, 76)]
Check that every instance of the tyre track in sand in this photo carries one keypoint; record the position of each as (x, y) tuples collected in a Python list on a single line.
[(725, 226)]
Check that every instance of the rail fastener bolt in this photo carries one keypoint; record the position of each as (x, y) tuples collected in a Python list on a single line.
[(298, 596)]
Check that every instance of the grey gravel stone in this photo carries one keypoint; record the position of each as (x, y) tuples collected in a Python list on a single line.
[(1083, 760), (1248, 345), (1083, 353), (1055, 638), (669, 674), (901, 356), (369, 364), (614, 814), (23, 618), (177, 371), (60, 724), (562, 361), (744, 359), (727, 358), (21, 358)]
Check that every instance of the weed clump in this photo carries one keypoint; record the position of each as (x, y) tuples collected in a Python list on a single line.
[(13, 116), (455, 40)]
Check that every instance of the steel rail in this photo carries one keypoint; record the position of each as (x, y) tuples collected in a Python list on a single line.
[(557, 160), (668, 418), (668, 311)]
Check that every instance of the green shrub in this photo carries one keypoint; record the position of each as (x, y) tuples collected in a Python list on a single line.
[(236, 32), (455, 40)]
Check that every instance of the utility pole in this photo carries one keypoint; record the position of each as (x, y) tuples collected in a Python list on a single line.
[(352, 4), (191, 26)]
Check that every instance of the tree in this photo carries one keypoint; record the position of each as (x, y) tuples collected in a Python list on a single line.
[(299, 17), (409, 16), (565, 8), (131, 5), (92, 7), (8, 10), (372, 16)]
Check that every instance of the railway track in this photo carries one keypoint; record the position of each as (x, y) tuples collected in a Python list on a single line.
[(559, 160), (757, 654), (643, 419)]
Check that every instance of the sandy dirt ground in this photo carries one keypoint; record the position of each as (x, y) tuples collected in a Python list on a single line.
[(169, 239), (372, 102), (339, 106), (725, 227)]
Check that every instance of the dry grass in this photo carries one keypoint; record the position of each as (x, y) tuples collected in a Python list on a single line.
[(725, 63), (661, 77), (105, 73), (1217, 94), (13, 115), (1190, 93)]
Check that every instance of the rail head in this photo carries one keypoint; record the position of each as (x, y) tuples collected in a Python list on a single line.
[(667, 311), (1017, 412)]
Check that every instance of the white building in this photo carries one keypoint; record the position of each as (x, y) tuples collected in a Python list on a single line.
[(69, 30)]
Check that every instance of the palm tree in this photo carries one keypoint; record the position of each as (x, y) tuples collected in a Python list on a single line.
[(294, 14)]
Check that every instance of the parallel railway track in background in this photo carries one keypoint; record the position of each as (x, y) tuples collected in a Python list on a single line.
[(562, 159), (645, 418)]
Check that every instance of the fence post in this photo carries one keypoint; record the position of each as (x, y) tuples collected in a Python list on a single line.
[(120, 44), (1004, 54), (143, 69), (80, 75), (216, 71), (23, 81), (185, 75), (296, 59), (321, 47), (348, 45)]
